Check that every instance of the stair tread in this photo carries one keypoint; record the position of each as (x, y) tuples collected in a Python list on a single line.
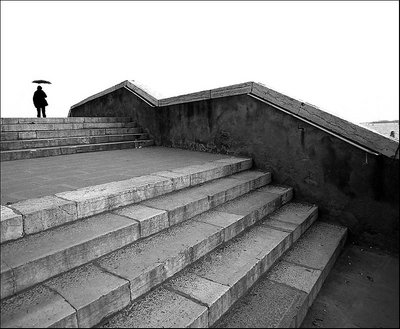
[(216, 280), (60, 138), (282, 296), (147, 262), (53, 251), (76, 145)]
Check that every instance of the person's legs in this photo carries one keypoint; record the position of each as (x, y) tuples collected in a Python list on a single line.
[(44, 111), (38, 112)]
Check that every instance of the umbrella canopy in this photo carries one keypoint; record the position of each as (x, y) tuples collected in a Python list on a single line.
[(41, 81)]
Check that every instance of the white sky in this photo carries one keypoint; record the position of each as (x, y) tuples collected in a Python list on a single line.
[(341, 56)]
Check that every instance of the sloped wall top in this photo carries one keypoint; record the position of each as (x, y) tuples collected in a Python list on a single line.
[(352, 133)]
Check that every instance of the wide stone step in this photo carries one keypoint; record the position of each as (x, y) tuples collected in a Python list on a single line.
[(71, 149), (86, 295), (282, 297), (54, 142), (200, 294), (8, 121), (36, 258), (8, 136), (61, 126), (36, 215)]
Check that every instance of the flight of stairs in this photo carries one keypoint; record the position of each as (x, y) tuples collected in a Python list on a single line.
[(176, 248), (25, 138)]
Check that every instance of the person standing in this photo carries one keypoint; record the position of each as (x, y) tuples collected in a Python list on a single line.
[(39, 100)]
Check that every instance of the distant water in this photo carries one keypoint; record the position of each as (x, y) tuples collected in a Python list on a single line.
[(384, 127)]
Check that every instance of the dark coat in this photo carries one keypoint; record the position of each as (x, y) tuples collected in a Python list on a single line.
[(39, 99)]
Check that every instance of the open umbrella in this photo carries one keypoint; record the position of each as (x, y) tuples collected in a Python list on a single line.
[(41, 81)]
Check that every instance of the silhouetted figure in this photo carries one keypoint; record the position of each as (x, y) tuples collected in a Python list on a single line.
[(39, 100)]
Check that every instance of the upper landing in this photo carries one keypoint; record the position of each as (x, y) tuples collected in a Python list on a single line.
[(354, 134)]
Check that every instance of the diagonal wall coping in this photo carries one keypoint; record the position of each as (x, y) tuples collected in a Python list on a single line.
[(349, 132)]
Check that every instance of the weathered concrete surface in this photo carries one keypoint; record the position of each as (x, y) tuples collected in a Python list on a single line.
[(46, 212), (267, 305), (355, 189), (219, 279), (96, 199), (260, 204), (66, 133), (181, 205), (46, 308), (291, 218), (70, 149), (361, 291), (216, 296), (39, 257), (161, 308), (282, 296), (151, 220), (94, 294), (149, 262), (7, 121), (34, 178), (64, 141), (11, 225)]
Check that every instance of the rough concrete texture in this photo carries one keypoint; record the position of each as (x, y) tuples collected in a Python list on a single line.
[(93, 200), (181, 205), (93, 293), (293, 217), (46, 308), (254, 207), (6, 121), (267, 305), (238, 263), (282, 296), (205, 292), (361, 291), (179, 180), (96, 199), (316, 247), (34, 178), (152, 260), (299, 277), (354, 188), (259, 178), (46, 212), (231, 223), (46, 254), (11, 225), (223, 276), (161, 308), (151, 220)]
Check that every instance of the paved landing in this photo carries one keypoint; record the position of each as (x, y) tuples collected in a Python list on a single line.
[(33, 178), (362, 291)]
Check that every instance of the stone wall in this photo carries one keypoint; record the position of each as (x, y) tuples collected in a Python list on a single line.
[(121, 103), (351, 187)]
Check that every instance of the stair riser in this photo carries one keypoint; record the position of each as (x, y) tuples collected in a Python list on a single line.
[(219, 290), (8, 121), (29, 274), (151, 278), (300, 316), (90, 314), (39, 271), (62, 126), (64, 150), (281, 298), (39, 214), (13, 136), (30, 144)]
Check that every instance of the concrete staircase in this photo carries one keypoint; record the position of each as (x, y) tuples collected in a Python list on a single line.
[(25, 138), (174, 249)]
